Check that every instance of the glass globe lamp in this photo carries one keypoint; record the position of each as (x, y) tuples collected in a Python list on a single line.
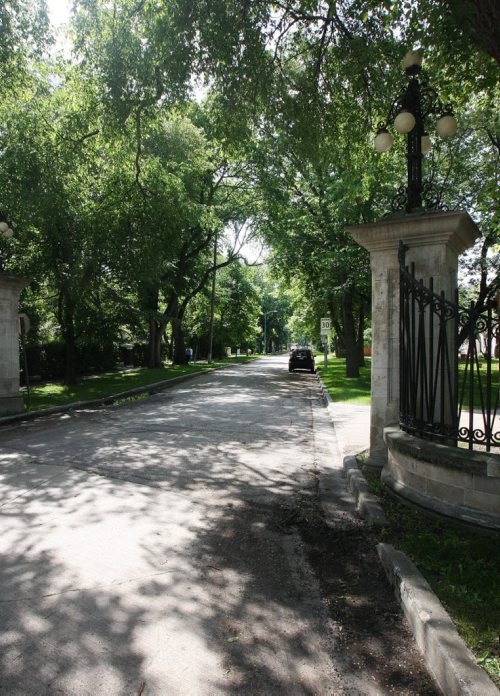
[(412, 59), (383, 141), (404, 122), (446, 127)]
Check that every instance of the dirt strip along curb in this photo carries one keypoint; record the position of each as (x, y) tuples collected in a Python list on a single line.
[(448, 658), (367, 504)]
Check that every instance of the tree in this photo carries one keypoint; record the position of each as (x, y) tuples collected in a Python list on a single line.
[(24, 34), (466, 31), (309, 196), (121, 186), (48, 177), (237, 311), (143, 57)]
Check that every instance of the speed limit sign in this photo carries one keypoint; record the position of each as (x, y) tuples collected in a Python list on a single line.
[(325, 325)]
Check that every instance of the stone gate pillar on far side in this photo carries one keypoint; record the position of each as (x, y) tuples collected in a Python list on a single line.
[(10, 290), (434, 242)]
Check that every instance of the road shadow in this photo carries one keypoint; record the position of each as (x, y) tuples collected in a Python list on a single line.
[(162, 547)]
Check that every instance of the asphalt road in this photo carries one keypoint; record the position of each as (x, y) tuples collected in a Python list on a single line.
[(158, 547)]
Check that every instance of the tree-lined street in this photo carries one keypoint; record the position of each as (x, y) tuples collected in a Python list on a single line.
[(193, 184), (160, 547)]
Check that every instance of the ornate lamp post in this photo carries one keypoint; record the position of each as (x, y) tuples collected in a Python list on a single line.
[(408, 114)]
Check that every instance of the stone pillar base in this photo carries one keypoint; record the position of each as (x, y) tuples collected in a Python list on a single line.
[(375, 463), (10, 289), (11, 404)]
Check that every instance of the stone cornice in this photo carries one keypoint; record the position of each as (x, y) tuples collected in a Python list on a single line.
[(7, 280), (456, 230)]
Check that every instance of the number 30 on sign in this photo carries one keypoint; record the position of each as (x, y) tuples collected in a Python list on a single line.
[(325, 325)]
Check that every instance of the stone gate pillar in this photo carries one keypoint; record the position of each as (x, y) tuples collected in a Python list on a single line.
[(10, 289), (435, 241)]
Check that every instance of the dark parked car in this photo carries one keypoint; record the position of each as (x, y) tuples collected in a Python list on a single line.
[(301, 359)]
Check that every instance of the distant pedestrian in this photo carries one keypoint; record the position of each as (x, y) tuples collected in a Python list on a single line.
[(189, 354)]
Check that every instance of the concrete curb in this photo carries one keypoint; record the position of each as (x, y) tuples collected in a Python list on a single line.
[(367, 504), (447, 657), (107, 400)]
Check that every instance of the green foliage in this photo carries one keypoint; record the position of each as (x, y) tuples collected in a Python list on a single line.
[(141, 52), (114, 226), (243, 294), (238, 308), (24, 33), (47, 360), (117, 184), (455, 33), (49, 174), (344, 389)]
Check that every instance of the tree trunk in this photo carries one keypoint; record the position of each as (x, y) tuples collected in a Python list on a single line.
[(155, 329), (212, 304), (153, 341), (351, 348), (338, 343), (360, 340), (170, 347), (157, 347), (71, 355), (179, 357), (68, 332), (153, 357), (167, 342)]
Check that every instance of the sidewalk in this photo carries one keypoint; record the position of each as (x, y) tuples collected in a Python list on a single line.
[(352, 426), (351, 422)]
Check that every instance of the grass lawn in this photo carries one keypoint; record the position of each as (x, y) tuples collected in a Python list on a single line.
[(357, 390), (100, 386), (342, 388), (482, 377)]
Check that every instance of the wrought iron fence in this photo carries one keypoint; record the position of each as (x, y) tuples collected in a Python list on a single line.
[(449, 377)]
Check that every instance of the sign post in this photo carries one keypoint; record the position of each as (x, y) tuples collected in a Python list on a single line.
[(325, 327)]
